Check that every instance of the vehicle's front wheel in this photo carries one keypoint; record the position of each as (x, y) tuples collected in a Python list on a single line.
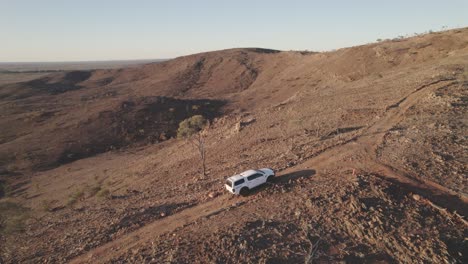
[(244, 191), (271, 178)]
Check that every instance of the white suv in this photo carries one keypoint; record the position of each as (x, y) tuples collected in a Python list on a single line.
[(243, 182)]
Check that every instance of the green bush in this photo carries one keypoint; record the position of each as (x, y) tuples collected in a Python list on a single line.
[(191, 126)]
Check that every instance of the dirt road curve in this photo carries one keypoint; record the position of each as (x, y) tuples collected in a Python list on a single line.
[(144, 234), (359, 153)]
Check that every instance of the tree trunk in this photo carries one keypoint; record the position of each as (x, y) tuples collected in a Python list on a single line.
[(200, 144)]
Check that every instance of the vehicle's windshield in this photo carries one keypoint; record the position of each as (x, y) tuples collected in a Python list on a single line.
[(229, 183)]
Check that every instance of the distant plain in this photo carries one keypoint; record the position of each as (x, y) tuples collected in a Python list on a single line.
[(13, 72)]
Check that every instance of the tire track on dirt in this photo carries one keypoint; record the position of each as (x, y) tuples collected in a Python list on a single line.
[(432, 191), (444, 196), (363, 151), (437, 193)]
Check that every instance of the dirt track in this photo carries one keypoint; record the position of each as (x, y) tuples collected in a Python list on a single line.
[(106, 252)]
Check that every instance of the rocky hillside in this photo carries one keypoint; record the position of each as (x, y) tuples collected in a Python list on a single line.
[(369, 144)]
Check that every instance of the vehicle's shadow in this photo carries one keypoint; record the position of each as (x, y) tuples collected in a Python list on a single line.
[(292, 176), (285, 179)]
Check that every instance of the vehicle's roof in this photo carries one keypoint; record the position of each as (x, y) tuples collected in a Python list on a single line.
[(248, 172), (242, 175), (235, 178)]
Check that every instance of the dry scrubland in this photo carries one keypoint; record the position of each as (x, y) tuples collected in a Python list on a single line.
[(369, 143)]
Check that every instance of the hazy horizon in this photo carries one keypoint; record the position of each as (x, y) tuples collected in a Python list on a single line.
[(64, 31), (84, 61)]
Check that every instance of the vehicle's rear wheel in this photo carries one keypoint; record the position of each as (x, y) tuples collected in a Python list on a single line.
[(244, 191)]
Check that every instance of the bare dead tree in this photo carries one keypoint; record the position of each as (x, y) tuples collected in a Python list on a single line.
[(313, 247), (312, 240), (192, 130), (199, 142)]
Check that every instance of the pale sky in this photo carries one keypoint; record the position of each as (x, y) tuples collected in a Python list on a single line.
[(71, 30)]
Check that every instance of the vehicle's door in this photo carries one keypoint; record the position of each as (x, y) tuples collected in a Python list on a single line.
[(237, 184), (264, 177), (255, 179)]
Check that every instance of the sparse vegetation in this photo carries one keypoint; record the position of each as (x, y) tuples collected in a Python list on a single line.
[(75, 197), (103, 193), (46, 205), (2, 189), (12, 217), (94, 190), (192, 129)]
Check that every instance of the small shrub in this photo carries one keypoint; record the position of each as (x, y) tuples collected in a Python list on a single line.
[(75, 197), (71, 201), (103, 193), (46, 205), (12, 217), (5, 189), (2, 189), (94, 190)]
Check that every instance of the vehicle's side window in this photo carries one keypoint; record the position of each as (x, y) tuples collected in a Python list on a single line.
[(241, 181), (255, 176)]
